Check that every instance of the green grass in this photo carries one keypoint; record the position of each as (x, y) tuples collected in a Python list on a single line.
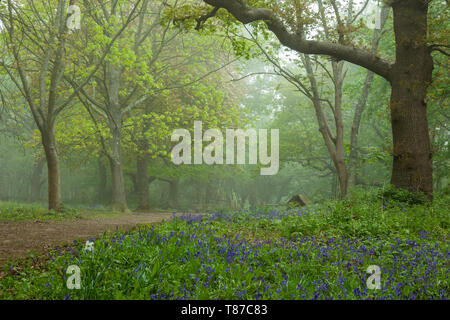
[(11, 211), (262, 253)]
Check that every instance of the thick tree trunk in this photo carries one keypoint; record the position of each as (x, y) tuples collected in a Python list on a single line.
[(142, 184), (35, 191), (342, 177), (51, 155), (410, 77), (118, 201), (118, 195)]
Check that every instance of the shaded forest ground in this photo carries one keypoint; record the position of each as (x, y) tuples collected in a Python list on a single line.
[(17, 238)]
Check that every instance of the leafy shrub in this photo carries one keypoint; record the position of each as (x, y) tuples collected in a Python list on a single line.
[(393, 194)]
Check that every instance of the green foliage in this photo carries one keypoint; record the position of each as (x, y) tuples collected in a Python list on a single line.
[(11, 211), (393, 194), (319, 253), (364, 214), (361, 214)]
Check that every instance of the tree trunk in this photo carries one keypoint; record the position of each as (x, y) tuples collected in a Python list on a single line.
[(35, 192), (410, 77), (51, 155), (335, 145), (115, 117), (142, 184), (338, 157), (359, 109), (118, 195)]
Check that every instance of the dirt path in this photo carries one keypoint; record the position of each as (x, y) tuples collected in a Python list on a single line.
[(18, 237)]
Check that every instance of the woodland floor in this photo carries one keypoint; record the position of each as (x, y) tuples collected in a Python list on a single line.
[(17, 238)]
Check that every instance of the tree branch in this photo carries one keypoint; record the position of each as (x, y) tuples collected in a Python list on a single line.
[(246, 14)]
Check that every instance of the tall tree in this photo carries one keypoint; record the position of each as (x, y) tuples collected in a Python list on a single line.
[(147, 62), (36, 40), (409, 75), (323, 98)]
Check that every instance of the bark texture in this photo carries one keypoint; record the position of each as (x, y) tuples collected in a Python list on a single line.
[(410, 77), (51, 155)]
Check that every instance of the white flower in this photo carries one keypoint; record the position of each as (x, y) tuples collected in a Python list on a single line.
[(89, 246)]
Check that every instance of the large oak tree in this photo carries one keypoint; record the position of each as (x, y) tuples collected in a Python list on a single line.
[(409, 75)]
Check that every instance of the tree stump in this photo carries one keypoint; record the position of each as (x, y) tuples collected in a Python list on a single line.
[(298, 200)]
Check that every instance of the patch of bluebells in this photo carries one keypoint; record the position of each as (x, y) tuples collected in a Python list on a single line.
[(257, 214), (186, 258)]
